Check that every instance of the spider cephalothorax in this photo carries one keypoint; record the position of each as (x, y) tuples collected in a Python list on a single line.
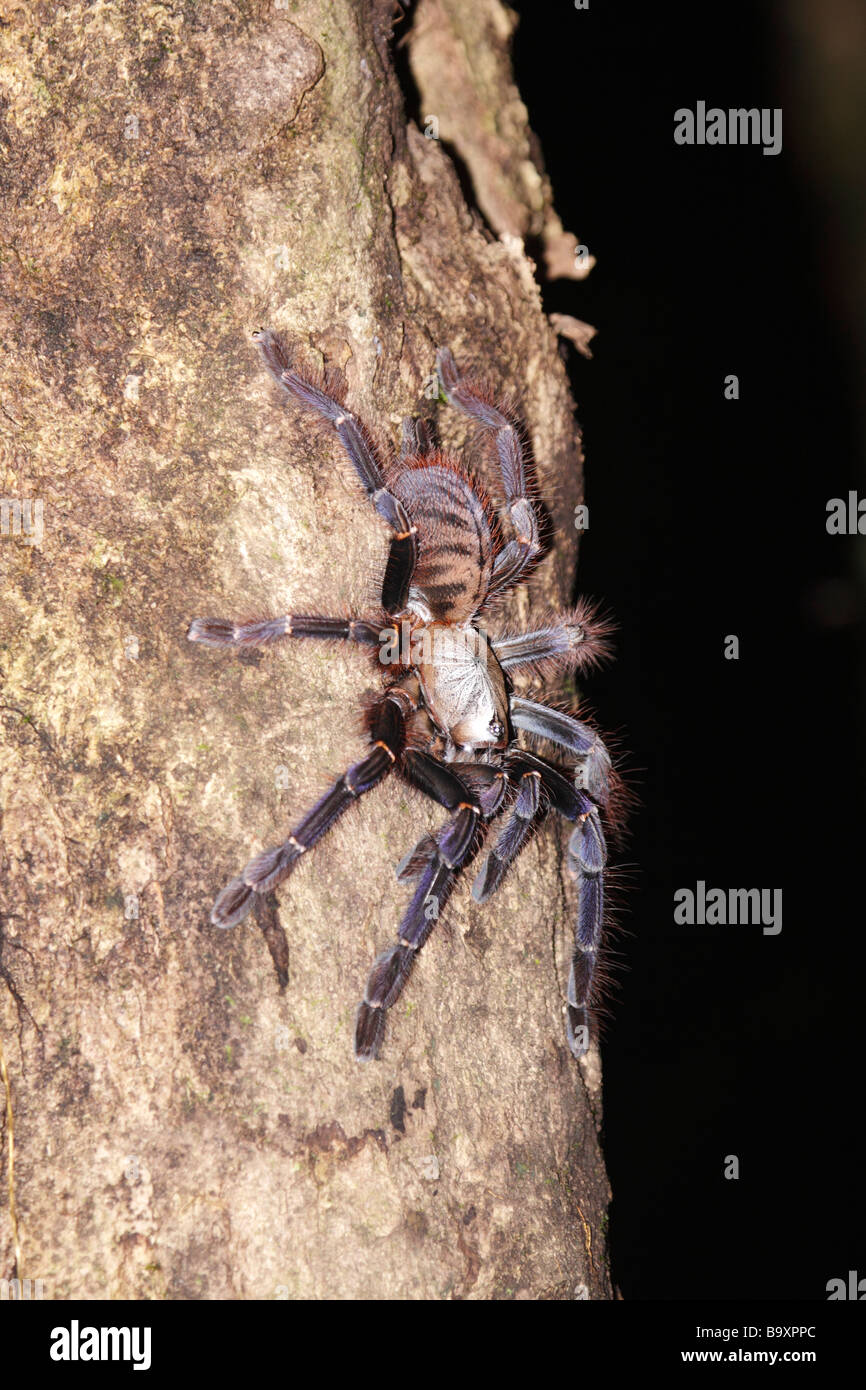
[(447, 720)]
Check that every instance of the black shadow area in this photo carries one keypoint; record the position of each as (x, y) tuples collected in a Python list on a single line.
[(708, 520)]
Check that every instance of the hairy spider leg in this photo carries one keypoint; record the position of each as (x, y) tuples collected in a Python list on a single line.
[(587, 852), (586, 859), (224, 632), (576, 641), (542, 787), (400, 565), (417, 441), (439, 781), (387, 731), (448, 783), (404, 550), (519, 555), (593, 769), (513, 836), (436, 861)]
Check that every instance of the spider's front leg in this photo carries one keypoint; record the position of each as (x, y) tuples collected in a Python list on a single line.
[(387, 730)]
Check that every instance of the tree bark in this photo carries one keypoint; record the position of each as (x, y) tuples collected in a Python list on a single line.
[(173, 179)]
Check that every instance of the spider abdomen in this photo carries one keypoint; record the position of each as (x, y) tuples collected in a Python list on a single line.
[(456, 539)]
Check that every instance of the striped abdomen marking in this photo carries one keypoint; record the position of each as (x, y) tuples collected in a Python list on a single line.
[(456, 546)]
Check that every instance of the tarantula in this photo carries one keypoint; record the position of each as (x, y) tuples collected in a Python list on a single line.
[(447, 721)]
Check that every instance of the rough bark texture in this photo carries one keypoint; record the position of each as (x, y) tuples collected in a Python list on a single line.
[(175, 176)]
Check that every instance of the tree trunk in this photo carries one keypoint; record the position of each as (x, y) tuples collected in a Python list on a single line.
[(185, 1127)]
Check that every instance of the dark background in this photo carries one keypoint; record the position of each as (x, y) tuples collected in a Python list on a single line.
[(708, 518)]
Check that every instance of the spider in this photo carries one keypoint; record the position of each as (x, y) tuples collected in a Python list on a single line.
[(447, 720)]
